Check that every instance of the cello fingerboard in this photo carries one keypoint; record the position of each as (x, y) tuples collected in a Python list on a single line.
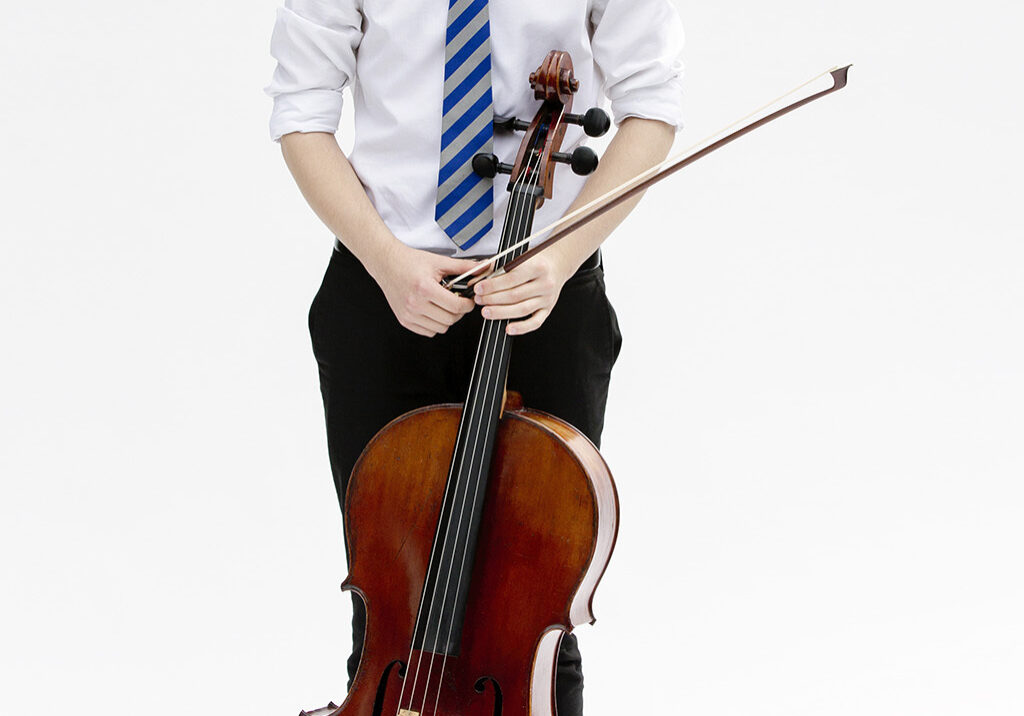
[(447, 585)]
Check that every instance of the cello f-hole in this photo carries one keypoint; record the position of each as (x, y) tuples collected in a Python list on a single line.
[(480, 685), (382, 687)]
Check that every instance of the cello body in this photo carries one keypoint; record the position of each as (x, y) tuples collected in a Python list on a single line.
[(548, 527)]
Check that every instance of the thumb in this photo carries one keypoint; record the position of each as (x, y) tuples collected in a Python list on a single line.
[(454, 267)]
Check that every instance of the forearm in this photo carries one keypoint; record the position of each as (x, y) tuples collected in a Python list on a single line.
[(638, 145), (330, 186)]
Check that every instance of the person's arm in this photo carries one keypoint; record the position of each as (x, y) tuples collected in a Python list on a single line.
[(409, 278), (315, 45), (638, 46), (532, 288), (638, 145)]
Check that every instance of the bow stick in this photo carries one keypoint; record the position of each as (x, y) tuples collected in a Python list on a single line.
[(587, 213)]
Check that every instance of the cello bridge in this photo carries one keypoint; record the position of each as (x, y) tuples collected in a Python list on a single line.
[(407, 712)]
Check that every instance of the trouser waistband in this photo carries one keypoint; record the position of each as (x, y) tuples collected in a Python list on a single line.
[(592, 262)]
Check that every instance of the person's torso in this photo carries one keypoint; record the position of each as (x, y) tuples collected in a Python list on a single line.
[(398, 94)]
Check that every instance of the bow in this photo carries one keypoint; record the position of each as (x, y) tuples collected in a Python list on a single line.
[(587, 213)]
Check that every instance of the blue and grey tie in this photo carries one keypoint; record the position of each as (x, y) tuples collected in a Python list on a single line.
[(465, 201)]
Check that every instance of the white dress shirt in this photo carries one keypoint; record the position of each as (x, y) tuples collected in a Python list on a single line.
[(391, 53)]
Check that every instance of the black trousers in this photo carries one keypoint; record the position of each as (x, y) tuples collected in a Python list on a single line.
[(372, 370)]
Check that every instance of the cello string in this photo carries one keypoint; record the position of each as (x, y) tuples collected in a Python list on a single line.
[(479, 407), (450, 486), (495, 362), (475, 432), (630, 183), (467, 419), (453, 486)]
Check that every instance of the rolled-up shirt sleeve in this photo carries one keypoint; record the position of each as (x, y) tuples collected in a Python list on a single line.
[(638, 45), (315, 44)]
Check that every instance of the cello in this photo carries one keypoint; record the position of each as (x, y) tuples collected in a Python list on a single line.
[(478, 532)]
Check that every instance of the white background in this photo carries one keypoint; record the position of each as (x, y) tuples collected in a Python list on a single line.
[(815, 422)]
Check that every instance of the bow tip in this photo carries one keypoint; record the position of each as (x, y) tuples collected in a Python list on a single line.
[(839, 76)]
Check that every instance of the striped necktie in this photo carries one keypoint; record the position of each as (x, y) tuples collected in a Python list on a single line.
[(465, 201)]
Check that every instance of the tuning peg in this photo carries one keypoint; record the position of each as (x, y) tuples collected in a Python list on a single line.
[(583, 160), (596, 121), (488, 166), (508, 124)]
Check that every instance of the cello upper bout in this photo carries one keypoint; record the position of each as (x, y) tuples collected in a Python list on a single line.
[(511, 402)]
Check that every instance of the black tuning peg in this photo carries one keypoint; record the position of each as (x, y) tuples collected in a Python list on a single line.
[(508, 124), (583, 160), (596, 121), (487, 165)]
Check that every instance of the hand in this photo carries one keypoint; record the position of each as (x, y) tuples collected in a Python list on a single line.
[(530, 289), (411, 282)]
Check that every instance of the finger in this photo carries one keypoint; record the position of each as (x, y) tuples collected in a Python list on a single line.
[(448, 301), (426, 326), (446, 269), (532, 323), (418, 329), (517, 310), (455, 267), (482, 275), (530, 289), (439, 314), (515, 277), (431, 324)]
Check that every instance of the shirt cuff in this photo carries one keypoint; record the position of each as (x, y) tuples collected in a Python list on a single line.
[(663, 102), (312, 110)]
